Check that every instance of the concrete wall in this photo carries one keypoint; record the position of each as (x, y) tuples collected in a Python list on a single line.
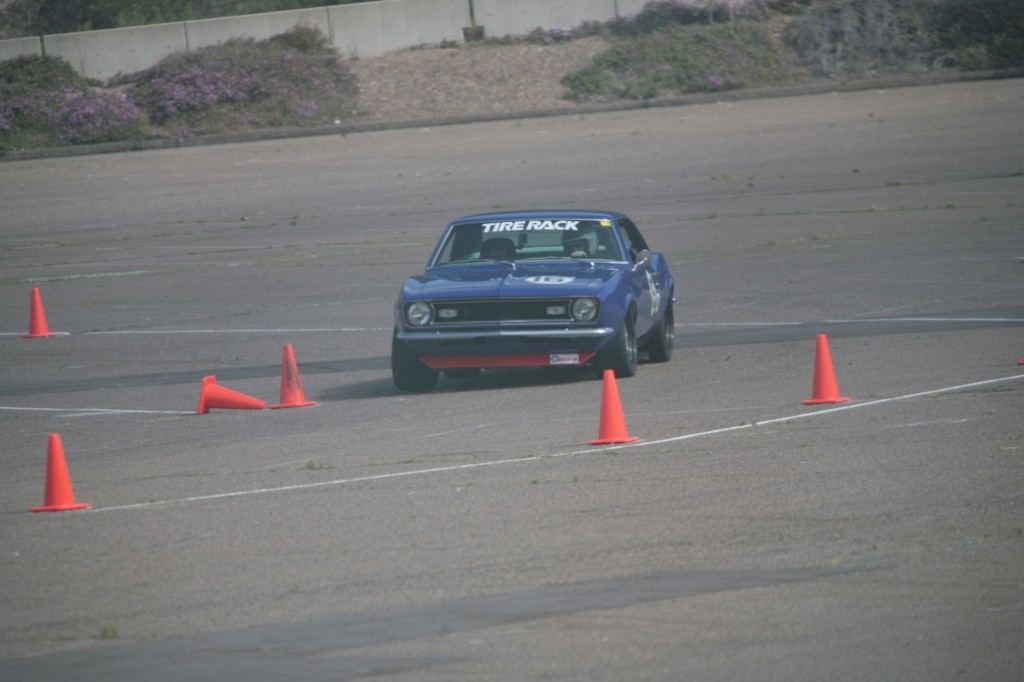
[(17, 47), (626, 8), (374, 28), (361, 30), (104, 54), (206, 32), (503, 18)]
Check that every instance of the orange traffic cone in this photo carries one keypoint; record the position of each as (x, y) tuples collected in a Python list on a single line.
[(826, 390), (613, 423), (37, 327), (291, 386), (213, 396), (59, 495)]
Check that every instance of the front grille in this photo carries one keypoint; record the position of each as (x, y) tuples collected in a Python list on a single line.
[(507, 310)]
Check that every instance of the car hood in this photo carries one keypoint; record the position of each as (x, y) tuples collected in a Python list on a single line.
[(513, 280)]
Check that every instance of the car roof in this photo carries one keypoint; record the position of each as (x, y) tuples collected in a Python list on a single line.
[(555, 213)]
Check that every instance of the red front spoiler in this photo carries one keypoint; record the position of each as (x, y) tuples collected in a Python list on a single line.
[(523, 360)]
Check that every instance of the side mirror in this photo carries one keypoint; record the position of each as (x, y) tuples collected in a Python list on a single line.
[(643, 258)]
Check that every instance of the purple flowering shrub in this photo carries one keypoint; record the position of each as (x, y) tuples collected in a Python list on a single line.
[(96, 118), (294, 79), (30, 89), (194, 81)]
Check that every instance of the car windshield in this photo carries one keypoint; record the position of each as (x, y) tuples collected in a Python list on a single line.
[(529, 239)]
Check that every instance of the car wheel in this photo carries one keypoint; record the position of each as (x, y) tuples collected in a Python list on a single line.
[(621, 355), (659, 348), (462, 373), (408, 373)]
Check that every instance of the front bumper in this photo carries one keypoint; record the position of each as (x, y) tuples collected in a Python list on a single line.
[(459, 349)]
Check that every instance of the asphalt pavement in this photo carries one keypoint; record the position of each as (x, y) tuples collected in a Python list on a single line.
[(472, 533)]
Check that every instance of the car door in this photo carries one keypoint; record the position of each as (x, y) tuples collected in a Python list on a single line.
[(644, 284)]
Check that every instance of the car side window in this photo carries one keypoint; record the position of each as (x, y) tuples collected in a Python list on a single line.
[(634, 242)]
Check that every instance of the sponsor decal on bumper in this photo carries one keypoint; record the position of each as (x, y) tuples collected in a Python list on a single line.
[(564, 359)]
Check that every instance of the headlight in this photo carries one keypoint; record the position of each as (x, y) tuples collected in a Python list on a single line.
[(584, 309), (418, 314)]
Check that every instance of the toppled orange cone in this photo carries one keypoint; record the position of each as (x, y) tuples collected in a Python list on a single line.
[(59, 495), (213, 396), (291, 386), (826, 390), (613, 423), (37, 326)]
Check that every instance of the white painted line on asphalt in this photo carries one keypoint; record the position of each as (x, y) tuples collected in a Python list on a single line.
[(940, 320), (128, 332), (738, 324), (320, 484), (23, 333), (157, 332), (915, 425), (533, 458), (88, 410), (474, 427), (819, 413), (860, 320), (91, 275)]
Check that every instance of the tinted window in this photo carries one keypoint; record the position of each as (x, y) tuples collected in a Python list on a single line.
[(634, 241)]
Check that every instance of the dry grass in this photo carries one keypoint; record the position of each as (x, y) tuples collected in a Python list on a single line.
[(471, 79)]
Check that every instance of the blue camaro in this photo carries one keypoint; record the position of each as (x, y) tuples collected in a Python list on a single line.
[(533, 289)]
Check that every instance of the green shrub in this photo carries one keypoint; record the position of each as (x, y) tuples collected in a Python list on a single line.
[(982, 34), (32, 72), (684, 59), (859, 37), (305, 39), (31, 89), (855, 38)]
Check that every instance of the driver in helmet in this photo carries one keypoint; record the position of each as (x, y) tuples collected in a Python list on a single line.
[(581, 244)]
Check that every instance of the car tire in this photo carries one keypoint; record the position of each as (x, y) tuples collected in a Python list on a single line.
[(659, 348), (408, 373), (621, 354)]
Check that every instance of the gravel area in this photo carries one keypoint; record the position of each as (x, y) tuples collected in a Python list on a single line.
[(471, 79)]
